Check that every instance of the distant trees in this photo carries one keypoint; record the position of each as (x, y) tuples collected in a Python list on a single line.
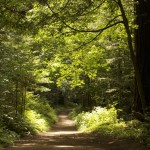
[(88, 50), (15, 57)]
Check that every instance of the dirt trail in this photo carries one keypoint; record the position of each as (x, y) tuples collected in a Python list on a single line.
[(64, 136)]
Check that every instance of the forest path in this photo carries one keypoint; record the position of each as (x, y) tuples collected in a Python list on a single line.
[(64, 136)]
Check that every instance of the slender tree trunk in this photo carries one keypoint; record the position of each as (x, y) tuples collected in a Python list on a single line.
[(16, 97), (119, 75), (138, 76), (23, 99), (25, 93)]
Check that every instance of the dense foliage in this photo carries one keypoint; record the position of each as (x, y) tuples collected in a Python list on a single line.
[(38, 117), (105, 121)]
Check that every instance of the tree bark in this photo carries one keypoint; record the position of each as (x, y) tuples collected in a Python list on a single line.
[(16, 97), (138, 76), (142, 47)]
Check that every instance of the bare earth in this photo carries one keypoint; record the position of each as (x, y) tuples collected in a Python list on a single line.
[(64, 136)]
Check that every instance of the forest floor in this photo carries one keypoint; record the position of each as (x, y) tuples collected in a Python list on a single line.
[(64, 136)]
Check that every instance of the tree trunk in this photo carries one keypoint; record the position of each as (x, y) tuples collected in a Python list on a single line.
[(142, 47), (138, 77), (16, 97)]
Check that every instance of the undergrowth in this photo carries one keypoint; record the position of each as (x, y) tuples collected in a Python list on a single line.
[(105, 121), (6, 136), (39, 114), (38, 117)]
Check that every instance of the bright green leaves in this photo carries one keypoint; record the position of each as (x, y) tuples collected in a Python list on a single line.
[(65, 44), (38, 13), (13, 12), (92, 62), (79, 63), (71, 75), (70, 49)]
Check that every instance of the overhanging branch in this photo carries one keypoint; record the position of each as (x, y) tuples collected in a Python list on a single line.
[(109, 24), (98, 30), (88, 42)]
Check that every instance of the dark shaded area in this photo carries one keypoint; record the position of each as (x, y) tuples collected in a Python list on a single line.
[(142, 47)]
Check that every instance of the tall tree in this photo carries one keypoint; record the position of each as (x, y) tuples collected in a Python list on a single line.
[(142, 46)]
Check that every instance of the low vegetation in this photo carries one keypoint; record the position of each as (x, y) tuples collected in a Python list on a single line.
[(38, 117), (105, 121)]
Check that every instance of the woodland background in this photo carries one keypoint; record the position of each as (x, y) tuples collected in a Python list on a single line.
[(89, 53)]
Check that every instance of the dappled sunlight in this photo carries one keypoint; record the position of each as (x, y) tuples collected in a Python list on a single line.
[(64, 146), (89, 58), (58, 133), (26, 145), (64, 136), (65, 121), (57, 147), (78, 147)]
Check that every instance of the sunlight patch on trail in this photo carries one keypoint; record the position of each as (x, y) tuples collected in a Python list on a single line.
[(78, 147), (57, 133)]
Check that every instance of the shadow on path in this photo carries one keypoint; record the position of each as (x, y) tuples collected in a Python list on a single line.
[(64, 136)]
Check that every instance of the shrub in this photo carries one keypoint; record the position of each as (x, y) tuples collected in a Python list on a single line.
[(6, 136), (105, 121), (39, 114), (41, 106), (37, 122), (16, 123), (99, 116), (38, 117)]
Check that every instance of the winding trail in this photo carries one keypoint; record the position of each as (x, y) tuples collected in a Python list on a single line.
[(64, 136)]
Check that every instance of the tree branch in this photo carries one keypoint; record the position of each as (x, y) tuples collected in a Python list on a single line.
[(109, 25), (98, 30), (65, 6), (93, 9), (86, 43)]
